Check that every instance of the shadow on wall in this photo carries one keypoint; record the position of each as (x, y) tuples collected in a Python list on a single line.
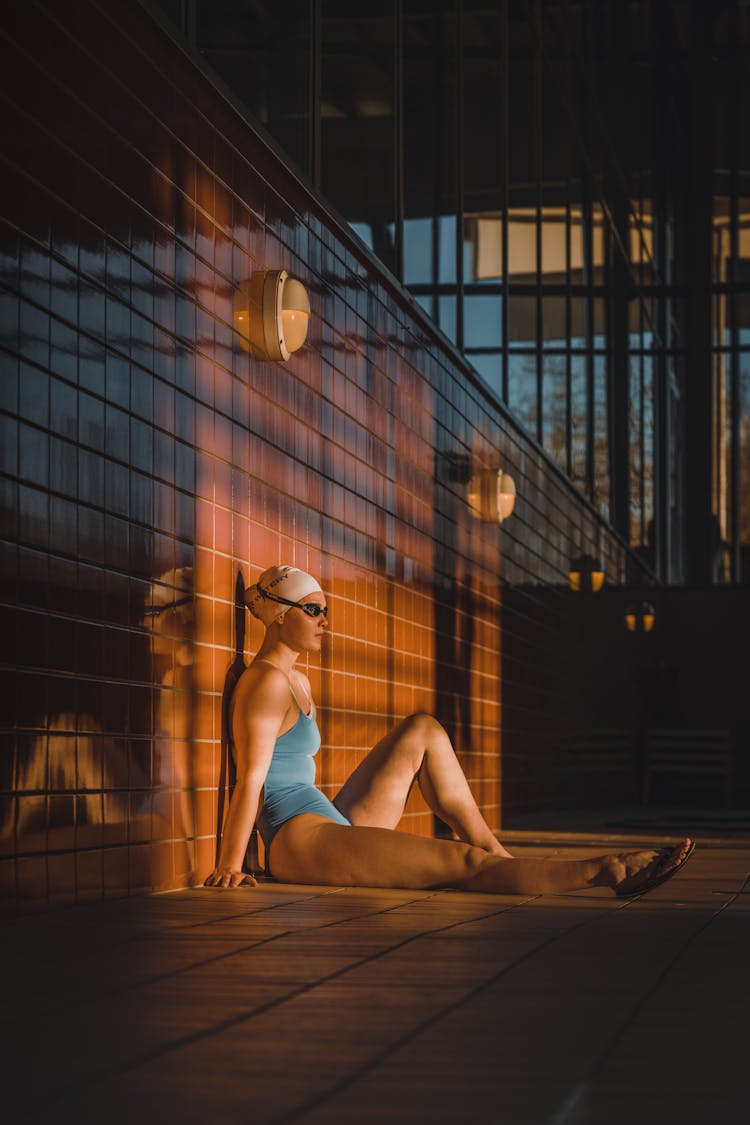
[(103, 744), (170, 617), (467, 628), (454, 628), (227, 771)]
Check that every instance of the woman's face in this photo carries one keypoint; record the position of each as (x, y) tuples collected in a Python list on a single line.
[(301, 631)]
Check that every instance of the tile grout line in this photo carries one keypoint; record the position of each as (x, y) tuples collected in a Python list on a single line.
[(159, 977), (349, 1079), (342, 1084), (125, 989), (153, 930), (562, 1114), (224, 1025), (266, 941)]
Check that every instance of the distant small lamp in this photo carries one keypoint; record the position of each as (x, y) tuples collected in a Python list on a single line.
[(640, 618), (586, 575), (491, 495), (271, 314)]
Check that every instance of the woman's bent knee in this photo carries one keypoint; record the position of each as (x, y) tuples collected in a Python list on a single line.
[(423, 723)]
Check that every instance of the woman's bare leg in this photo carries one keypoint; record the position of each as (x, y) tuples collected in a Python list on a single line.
[(311, 849), (418, 748)]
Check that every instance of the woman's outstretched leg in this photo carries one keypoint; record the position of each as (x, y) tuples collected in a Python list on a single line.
[(418, 748), (311, 849)]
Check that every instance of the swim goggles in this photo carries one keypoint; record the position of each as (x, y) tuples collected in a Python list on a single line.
[(312, 609)]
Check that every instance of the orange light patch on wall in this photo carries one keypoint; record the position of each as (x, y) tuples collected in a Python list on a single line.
[(187, 466)]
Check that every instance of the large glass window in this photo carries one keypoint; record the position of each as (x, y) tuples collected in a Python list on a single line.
[(555, 427), (483, 121), (430, 244), (519, 168), (523, 229), (244, 41), (579, 418), (722, 464), (357, 119), (522, 321), (522, 389), (744, 463), (483, 321), (635, 450), (601, 449), (648, 447)]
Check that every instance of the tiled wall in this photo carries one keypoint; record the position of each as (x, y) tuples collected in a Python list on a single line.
[(150, 467)]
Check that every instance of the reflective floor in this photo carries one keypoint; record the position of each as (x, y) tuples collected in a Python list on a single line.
[(316, 1004)]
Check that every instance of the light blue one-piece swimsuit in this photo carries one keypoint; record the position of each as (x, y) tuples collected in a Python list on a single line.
[(289, 788)]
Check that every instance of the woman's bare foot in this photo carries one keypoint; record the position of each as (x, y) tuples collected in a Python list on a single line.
[(634, 873)]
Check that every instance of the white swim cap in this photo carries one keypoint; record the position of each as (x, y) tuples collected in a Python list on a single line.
[(283, 582)]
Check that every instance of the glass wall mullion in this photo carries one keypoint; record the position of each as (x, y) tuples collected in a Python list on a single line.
[(459, 174), (733, 126), (539, 146), (398, 137), (643, 445), (588, 326), (314, 99), (504, 200), (568, 314), (568, 334)]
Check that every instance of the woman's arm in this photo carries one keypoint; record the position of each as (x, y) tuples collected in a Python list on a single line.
[(261, 703)]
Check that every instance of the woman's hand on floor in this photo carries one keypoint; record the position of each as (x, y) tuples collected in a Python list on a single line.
[(228, 878)]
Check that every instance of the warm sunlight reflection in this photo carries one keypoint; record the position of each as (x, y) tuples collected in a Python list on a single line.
[(170, 618), (561, 236)]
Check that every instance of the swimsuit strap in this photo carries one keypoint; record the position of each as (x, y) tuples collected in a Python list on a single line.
[(307, 715)]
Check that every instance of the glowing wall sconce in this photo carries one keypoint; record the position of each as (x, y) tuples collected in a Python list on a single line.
[(586, 575), (491, 495), (640, 618), (271, 314)]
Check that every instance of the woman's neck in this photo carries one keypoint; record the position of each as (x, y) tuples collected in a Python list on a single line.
[(278, 654)]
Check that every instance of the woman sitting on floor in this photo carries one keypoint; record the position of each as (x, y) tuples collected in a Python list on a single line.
[(352, 842)]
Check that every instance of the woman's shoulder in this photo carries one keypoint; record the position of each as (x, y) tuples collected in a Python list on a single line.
[(301, 678), (261, 680)]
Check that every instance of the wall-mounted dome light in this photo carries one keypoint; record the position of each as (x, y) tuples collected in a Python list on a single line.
[(640, 618), (586, 575), (271, 314), (491, 495)]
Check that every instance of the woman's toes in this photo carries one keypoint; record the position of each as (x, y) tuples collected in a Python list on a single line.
[(655, 868)]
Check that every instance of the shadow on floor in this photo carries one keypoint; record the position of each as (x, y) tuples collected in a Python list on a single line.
[(320, 1004)]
